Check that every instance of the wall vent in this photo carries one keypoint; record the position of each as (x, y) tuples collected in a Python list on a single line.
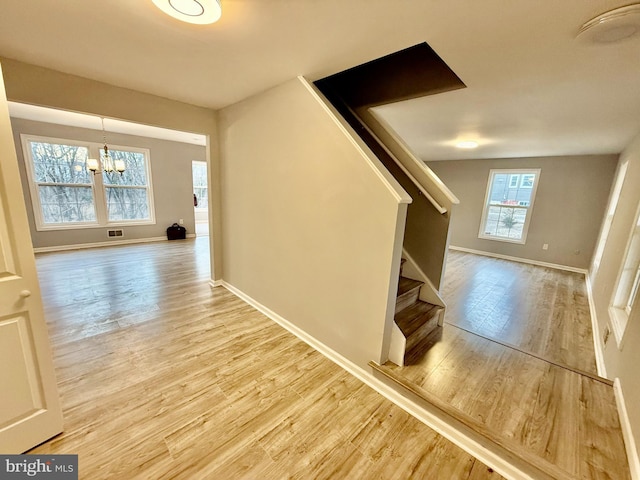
[(114, 233)]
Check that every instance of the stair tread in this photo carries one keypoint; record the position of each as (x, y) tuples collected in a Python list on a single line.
[(407, 284), (414, 316)]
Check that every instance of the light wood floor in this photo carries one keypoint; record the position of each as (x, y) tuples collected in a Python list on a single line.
[(163, 377), (538, 310), (537, 406)]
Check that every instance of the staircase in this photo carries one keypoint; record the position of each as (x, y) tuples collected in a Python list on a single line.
[(416, 319)]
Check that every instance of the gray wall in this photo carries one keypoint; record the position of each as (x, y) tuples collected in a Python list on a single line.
[(170, 173), (568, 210)]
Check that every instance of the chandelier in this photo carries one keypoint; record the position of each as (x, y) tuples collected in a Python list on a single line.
[(109, 165)]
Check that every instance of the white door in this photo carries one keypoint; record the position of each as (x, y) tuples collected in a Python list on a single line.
[(29, 405)]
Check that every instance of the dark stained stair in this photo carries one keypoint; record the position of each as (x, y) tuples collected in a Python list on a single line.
[(415, 319)]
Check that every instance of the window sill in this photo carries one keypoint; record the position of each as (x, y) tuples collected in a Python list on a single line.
[(502, 239), (83, 226)]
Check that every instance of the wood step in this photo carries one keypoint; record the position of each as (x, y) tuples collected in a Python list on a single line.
[(544, 469), (408, 291), (417, 321)]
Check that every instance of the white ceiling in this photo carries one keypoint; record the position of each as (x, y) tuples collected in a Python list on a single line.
[(532, 88)]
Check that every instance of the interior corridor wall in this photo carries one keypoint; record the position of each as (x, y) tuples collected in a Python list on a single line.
[(310, 224)]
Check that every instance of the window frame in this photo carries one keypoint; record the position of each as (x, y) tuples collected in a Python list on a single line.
[(510, 172), (626, 291), (609, 215), (98, 186)]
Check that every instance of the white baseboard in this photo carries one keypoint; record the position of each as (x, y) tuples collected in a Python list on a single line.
[(521, 260), (627, 433), (598, 345), (80, 246), (489, 458)]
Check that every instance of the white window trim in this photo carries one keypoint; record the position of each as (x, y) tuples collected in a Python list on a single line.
[(619, 312), (525, 227), (608, 219), (98, 189)]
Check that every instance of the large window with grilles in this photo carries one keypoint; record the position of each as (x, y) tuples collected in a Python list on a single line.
[(65, 194)]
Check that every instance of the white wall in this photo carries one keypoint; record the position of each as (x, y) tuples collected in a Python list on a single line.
[(621, 362), (310, 227), (170, 172)]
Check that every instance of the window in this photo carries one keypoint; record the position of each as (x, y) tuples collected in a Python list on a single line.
[(63, 186), (127, 196), (66, 195), (199, 171), (508, 204), (627, 286)]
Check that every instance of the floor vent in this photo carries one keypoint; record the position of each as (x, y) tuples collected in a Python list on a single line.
[(114, 233)]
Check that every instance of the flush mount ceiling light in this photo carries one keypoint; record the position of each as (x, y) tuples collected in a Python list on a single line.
[(468, 144), (612, 26), (200, 12)]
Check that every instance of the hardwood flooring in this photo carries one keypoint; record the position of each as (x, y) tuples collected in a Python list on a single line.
[(539, 310), (162, 376), (544, 409)]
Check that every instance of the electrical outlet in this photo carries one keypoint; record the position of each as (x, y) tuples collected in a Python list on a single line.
[(181, 221), (607, 333), (545, 246)]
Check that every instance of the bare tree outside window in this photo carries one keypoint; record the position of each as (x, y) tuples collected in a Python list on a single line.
[(63, 182), (127, 192), (67, 195)]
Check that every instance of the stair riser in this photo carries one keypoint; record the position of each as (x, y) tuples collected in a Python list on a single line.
[(407, 298), (422, 332)]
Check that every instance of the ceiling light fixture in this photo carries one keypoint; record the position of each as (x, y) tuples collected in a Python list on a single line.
[(109, 165), (612, 26), (468, 144), (200, 12)]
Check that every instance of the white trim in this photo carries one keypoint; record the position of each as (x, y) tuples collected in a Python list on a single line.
[(471, 446), (521, 260), (216, 283), (627, 432), (391, 183), (598, 345), (81, 246)]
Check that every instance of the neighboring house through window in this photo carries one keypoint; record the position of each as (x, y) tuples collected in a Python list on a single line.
[(508, 204), (67, 195)]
